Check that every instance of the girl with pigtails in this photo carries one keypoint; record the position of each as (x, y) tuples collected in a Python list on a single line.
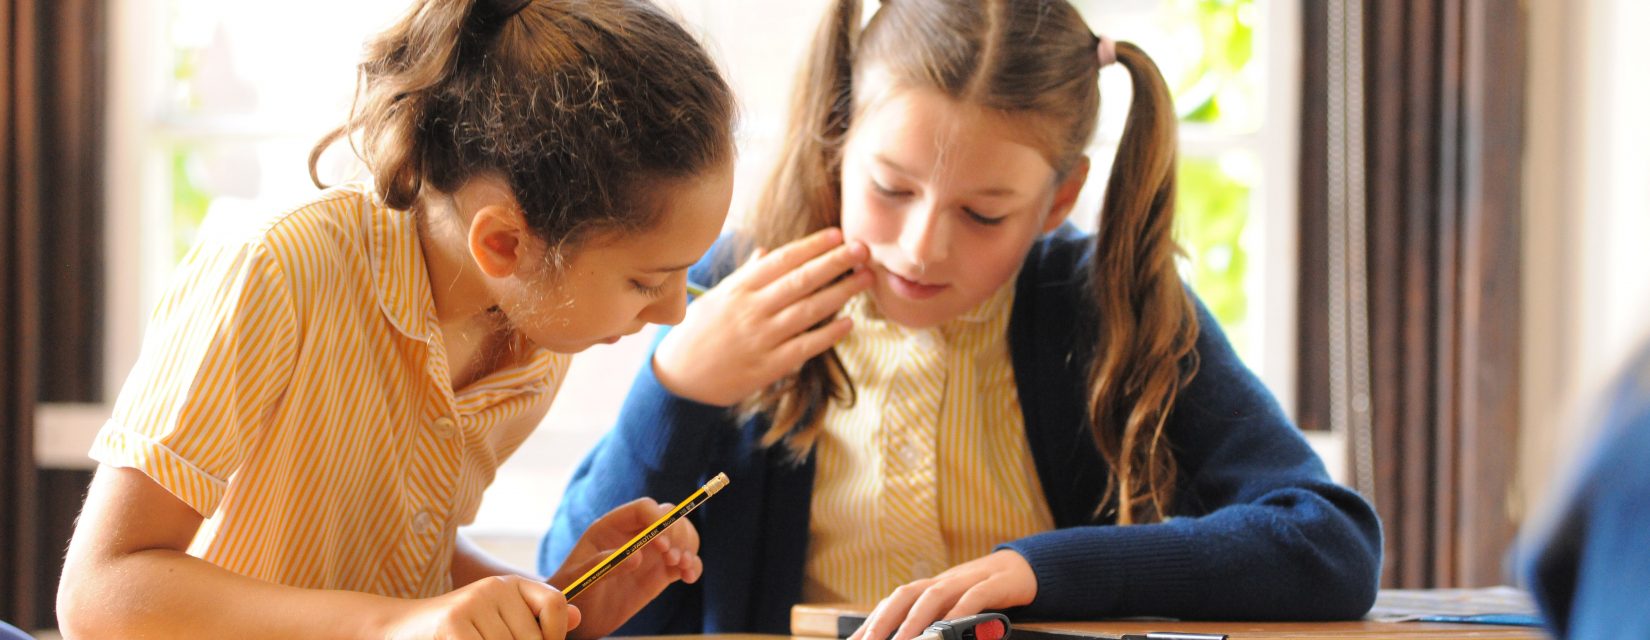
[(931, 392), (324, 393)]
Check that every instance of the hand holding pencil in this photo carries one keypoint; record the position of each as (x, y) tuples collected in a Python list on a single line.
[(627, 557)]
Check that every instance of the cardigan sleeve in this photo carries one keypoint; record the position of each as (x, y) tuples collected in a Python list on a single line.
[(1585, 560), (1259, 530), (659, 447)]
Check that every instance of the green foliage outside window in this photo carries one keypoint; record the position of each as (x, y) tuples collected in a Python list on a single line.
[(1212, 210), (1216, 91), (189, 201)]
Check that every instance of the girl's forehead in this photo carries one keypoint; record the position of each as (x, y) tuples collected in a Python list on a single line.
[(927, 110), (924, 131)]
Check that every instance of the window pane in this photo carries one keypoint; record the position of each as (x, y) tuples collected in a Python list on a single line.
[(1205, 49), (1212, 214), (280, 64)]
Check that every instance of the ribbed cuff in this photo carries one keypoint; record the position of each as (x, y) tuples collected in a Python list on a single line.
[(1097, 571)]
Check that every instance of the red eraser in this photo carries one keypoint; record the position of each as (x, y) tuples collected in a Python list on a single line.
[(990, 630)]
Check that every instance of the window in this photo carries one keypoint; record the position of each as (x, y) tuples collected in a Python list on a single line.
[(215, 104), (1231, 66)]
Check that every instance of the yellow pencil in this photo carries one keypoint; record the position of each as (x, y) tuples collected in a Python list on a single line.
[(647, 535)]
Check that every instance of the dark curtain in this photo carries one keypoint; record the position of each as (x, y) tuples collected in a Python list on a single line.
[(52, 62), (1431, 376)]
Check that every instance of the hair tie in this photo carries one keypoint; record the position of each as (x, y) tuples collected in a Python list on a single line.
[(505, 15), (1107, 50)]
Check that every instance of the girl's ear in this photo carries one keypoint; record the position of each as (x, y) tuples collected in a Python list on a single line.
[(498, 238), (1065, 195)]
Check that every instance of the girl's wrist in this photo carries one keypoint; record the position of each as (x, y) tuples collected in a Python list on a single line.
[(380, 618), (682, 387)]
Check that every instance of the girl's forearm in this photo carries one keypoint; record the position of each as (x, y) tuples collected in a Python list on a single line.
[(165, 593)]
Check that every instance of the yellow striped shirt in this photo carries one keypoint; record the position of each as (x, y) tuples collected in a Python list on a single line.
[(293, 388), (930, 468)]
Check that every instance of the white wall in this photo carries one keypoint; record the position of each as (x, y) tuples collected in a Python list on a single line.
[(1587, 214)]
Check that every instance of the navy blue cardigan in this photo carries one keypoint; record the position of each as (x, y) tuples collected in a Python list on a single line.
[(1259, 530)]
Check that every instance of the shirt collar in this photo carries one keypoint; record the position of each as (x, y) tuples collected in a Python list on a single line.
[(399, 274)]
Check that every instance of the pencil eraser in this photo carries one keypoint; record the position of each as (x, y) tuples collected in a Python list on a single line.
[(990, 630)]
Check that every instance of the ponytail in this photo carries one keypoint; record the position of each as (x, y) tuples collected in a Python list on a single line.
[(1144, 353), (580, 107), (413, 59), (803, 195)]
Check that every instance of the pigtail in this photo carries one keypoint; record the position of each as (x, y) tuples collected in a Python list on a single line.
[(397, 89), (804, 195), (1145, 352)]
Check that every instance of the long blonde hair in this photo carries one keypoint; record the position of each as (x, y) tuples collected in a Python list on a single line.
[(1035, 60)]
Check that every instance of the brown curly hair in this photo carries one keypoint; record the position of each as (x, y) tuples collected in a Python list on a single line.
[(578, 105)]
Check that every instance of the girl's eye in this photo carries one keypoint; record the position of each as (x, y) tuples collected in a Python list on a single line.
[(651, 291), (981, 218), (886, 191)]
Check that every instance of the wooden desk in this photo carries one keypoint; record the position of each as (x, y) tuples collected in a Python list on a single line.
[(815, 621), (1244, 630)]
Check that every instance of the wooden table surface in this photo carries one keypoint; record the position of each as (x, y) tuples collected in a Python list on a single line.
[(816, 621)]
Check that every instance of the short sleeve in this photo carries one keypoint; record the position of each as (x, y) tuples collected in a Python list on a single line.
[(217, 355)]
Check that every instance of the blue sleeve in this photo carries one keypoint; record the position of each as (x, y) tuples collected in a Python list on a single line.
[(1587, 563), (1259, 530), (659, 447)]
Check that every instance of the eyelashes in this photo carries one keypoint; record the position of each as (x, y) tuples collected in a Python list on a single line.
[(973, 216), (649, 291), (982, 218)]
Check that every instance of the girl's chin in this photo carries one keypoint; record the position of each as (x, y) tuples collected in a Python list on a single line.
[(907, 313)]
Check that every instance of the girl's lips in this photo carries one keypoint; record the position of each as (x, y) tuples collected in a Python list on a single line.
[(912, 289)]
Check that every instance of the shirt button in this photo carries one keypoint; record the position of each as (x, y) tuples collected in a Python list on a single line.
[(423, 522), (442, 427), (921, 569)]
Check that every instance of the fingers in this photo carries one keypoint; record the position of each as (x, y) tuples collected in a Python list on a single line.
[(556, 619), (930, 606), (890, 613), (681, 534), (976, 599), (818, 272), (821, 304), (765, 269), (521, 621), (619, 525), (492, 624), (791, 354), (631, 517), (691, 568)]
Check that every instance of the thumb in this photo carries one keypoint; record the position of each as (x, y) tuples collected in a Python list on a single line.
[(550, 607)]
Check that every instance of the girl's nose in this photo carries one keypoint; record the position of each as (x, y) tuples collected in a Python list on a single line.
[(669, 309), (924, 237)]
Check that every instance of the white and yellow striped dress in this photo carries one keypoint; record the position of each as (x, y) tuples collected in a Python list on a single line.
[(930, 468), (293, 389)]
